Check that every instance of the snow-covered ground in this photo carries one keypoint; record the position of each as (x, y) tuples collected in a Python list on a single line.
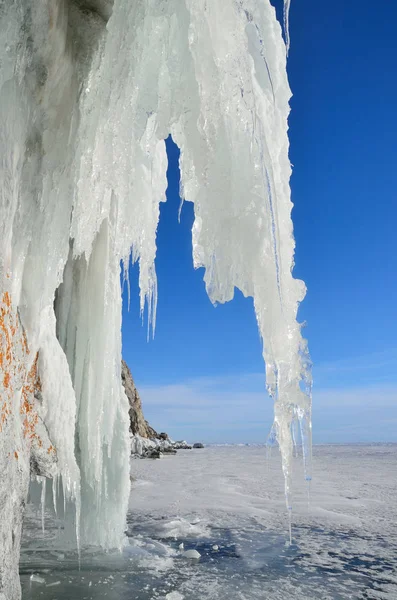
[(227, 503)]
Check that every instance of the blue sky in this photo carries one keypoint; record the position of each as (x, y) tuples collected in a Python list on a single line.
[(202, 377)]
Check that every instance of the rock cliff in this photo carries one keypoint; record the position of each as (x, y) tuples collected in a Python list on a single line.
[(145, 441), (138, 424)]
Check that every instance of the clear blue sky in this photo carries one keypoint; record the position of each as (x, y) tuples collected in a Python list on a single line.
[(202, 378)]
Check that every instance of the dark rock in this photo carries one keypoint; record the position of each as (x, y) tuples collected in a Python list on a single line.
[(163, 436), (198, 445), (138, 425), (152, 453), (169, 450), (151, 432)]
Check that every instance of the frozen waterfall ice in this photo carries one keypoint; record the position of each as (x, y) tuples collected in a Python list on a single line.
[(88, 93)]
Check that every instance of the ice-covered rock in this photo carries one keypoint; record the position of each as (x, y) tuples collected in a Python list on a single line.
[(192, 554), (182, 445), (144, 447), (140, 446)]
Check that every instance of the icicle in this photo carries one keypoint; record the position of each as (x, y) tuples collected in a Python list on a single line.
[(77, 496), (42, 503), (287, 5), (54, 493), (293, 434), (126, 278), (306, 435), (64, 500)]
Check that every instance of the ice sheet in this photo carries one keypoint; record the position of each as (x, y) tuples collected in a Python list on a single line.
[(344, 546)]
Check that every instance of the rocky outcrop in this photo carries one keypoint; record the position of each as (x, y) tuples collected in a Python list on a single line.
[(145, 441), (151, 432), (25, 445), (138, 424), (155, 447)]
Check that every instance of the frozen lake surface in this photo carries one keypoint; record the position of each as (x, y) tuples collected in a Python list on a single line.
[(228, 504)]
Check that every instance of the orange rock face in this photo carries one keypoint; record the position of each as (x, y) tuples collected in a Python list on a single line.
[(16, 375)]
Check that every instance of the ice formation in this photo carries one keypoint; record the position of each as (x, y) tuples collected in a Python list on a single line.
[(88, 93)]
